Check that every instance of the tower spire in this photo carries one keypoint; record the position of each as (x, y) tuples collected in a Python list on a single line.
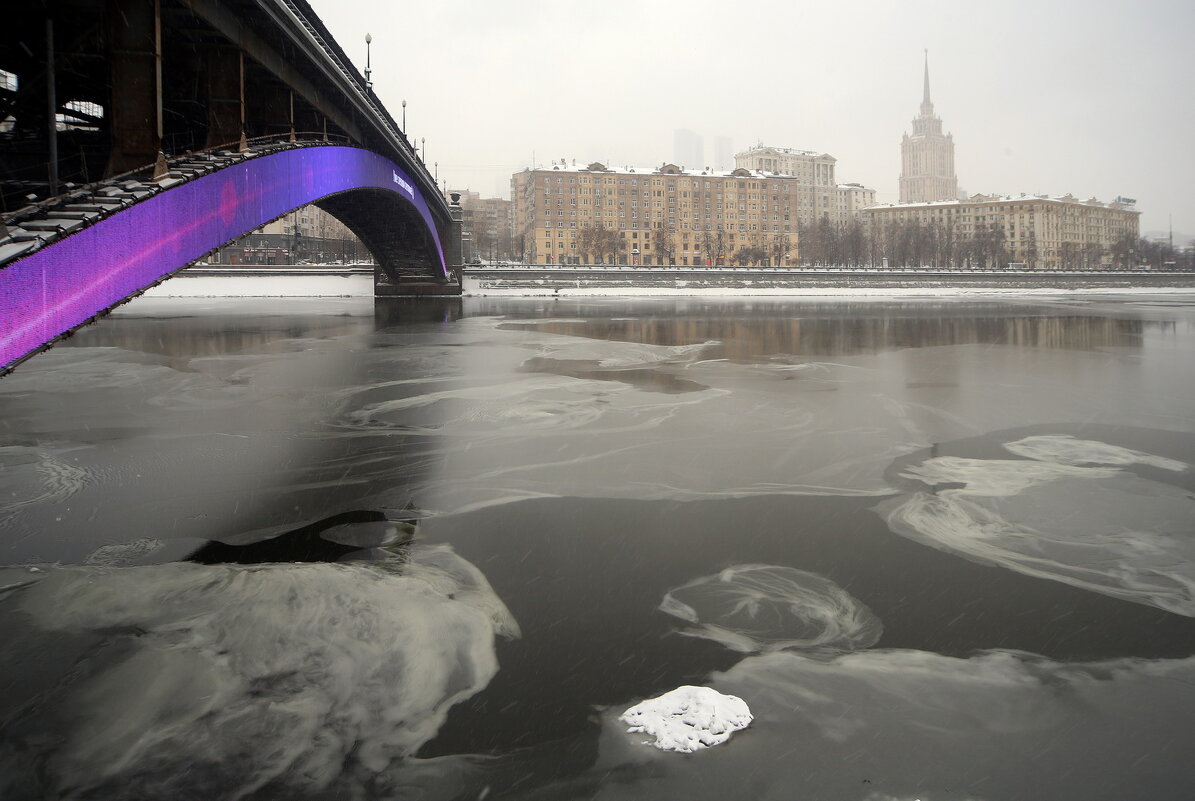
[(927, 107)]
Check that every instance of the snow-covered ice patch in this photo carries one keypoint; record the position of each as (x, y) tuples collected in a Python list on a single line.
[(753, 608), (688, 718)]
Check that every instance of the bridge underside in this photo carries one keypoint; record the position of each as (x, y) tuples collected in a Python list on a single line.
[(71, 280), (398, 238)]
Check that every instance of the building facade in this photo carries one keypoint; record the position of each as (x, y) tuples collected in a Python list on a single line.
[(565, 214), (1031, 231), (927, 157), (307, 235), (485, 226), (819, 195)]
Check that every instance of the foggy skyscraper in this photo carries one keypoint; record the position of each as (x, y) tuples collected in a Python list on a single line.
[(688, 148), (723, 153)]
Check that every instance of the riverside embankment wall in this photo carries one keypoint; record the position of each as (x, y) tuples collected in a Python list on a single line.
[(557, 281)]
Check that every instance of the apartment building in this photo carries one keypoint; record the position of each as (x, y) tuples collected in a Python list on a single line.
[(654, 215), (485, 225), (818, 194), (1037, 231)]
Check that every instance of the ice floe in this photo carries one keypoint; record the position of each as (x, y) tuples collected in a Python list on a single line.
[(751, 608), (1103, 528), (222, 680), (688, 718)]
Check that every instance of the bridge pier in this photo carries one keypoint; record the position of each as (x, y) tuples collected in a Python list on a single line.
[(385, 286)]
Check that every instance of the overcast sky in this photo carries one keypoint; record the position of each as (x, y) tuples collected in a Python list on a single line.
[(1096, 98)]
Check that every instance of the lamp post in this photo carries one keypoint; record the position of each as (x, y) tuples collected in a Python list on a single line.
[(423, 149), (404, 116), (368, 41)]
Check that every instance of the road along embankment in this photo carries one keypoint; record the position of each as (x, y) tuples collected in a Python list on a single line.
[(612, 280)]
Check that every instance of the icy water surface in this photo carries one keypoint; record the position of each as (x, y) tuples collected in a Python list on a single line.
[(313, 549)]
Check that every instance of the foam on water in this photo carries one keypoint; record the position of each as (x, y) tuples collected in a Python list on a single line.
[(124, 552), (1069, 450), (1098, 528), (751, 608), (998, 477), (223, 680)]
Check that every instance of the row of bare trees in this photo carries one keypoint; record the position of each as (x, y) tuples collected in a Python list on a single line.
[(911, 244), (898, 244)]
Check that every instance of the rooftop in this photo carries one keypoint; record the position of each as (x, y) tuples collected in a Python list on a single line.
[(788, 151), (976, 200), (597, 168)]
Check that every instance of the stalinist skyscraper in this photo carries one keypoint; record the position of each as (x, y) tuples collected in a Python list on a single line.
[(927, 157)]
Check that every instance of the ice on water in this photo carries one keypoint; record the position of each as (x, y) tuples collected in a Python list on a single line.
[(688, 718), (916, 724), (1069, 450), (751, 608), (239, 678), (1100, 528)]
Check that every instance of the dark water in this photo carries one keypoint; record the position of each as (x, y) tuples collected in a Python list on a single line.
[(944, 549)]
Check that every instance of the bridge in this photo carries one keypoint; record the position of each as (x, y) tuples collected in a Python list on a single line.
[(138, 136)]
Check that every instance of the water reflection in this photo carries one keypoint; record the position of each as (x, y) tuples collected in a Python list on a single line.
[(748, 332), (226, 326)]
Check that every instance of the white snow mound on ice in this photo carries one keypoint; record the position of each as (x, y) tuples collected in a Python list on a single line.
[(688, 718)]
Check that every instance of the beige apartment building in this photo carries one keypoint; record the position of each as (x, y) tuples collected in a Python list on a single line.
[(1034, 231), (818, 194), (653, 216)]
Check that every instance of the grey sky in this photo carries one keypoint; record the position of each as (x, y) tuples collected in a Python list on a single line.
[(1093, 98)]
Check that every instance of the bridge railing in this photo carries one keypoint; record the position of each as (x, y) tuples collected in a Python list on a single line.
[(362, 92), (255, 147)]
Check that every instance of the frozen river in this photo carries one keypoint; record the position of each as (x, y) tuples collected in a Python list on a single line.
[(316, 548)]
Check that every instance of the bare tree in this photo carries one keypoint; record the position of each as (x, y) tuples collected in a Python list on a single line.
[(750, 255), (665, 246), (714, 245), (777, 248)]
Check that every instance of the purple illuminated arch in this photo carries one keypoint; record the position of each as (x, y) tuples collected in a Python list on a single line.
[(63, 285)]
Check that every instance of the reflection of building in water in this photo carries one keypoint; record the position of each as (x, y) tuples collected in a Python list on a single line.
[(214, 334), (750, 339)]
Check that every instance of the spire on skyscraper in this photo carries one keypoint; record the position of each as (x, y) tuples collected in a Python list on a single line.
[(927, 107)]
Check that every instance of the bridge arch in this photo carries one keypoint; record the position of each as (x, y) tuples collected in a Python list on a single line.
[(70, 281)]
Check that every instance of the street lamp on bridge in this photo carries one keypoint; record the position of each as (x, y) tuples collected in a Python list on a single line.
[(368, 41)]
